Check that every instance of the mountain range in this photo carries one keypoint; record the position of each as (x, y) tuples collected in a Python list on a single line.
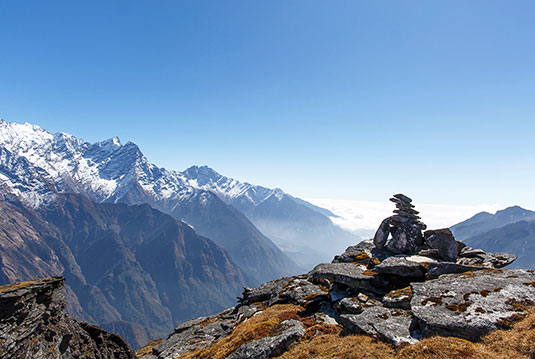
[(143, 247), (36, 164)]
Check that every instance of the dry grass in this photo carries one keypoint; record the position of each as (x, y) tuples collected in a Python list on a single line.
[(323, 341), (264, 324), (147, 349), (516, 343), (336, 347)]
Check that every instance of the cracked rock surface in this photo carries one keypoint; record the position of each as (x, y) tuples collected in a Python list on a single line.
[(34, 324)]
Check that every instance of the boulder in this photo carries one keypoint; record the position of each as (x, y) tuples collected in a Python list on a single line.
[(478, 257), (381, 235), (402, 267), (443, 241), (391, 325), (471, 304), (300, 291), (268, 291), (268, 347), (438, 268), (351, 275), (34, 324)]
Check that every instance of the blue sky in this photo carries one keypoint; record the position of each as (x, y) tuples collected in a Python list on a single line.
[(332, 99)]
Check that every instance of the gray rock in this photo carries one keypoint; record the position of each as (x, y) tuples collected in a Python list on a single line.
[(438, 268), (403, 198), (351, 305), (391, 325), (354, 253), (433, 253), (442, 240), (471, 304), (471, 252), (301, 292), (406, 238), (268, 347), (489, 260), (268, 291), (381, 236), (401, 267), (399, 298), (202, 332), (351, 275), (34, 324)]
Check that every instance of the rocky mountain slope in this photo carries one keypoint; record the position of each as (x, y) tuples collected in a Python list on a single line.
[(34, 324), (300, 229), (402, 287), (36, 164), (132, 269), (517, 238)]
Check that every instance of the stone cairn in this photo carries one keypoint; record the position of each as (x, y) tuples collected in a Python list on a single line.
[(404, 227)]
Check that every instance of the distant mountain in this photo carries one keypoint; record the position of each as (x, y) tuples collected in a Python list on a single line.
[(517, 238), (36, 164), (484, 222), (300, 229), (132, 269)]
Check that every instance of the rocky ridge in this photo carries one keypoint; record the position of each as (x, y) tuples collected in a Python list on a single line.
[(34, 324), (422, 285)]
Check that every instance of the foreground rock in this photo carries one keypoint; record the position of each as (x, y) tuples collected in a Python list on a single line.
[(34, 324), (472, 304), (271, 346)]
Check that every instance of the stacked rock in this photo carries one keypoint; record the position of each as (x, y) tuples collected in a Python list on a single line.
[(404, 227), (405, 212)]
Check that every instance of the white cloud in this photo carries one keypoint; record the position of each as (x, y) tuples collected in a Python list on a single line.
[(363, 217)]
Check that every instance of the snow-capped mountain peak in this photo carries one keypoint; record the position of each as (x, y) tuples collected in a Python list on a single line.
[(228, 189)]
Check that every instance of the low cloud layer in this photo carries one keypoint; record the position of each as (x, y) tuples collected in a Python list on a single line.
[(363, 217)]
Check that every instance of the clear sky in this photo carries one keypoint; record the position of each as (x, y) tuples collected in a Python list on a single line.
[(324, 99)]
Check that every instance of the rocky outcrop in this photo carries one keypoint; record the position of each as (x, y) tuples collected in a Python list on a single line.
[(401, 297), (472, 304), (34, 324), (271, 346)]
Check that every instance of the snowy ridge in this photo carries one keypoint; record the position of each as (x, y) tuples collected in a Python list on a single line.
[(105, 171), (228, 189)]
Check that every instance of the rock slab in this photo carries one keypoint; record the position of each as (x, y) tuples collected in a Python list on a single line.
[(471, 304), (34, 324)]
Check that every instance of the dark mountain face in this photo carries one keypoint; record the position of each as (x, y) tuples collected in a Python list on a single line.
[(484, 222), (516, 238), (124, 264)]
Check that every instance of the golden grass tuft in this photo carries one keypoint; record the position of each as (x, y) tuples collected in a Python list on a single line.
[(336, 347)]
